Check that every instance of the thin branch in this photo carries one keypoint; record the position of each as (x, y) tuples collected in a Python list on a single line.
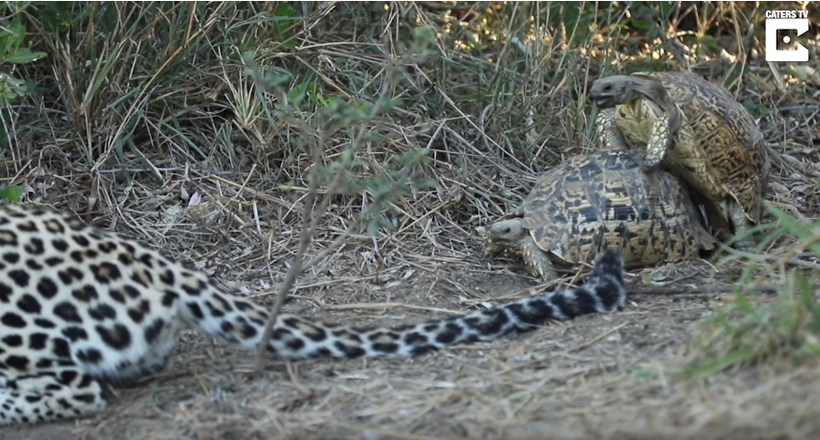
[(296, 264), (307, 233)]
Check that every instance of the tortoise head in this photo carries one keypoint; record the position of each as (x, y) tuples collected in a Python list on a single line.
[(621, 89), (505, 236)]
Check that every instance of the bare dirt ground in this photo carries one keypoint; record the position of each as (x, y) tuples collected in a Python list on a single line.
[(600, 376)]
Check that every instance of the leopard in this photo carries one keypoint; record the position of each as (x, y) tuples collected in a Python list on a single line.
[(84, 309)]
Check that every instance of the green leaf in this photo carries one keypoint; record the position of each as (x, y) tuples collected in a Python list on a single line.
[(297, 94), (643, 25), (11, 193), (6, 43), (102, 75), (18, 6), (285, 10), (24, 55), (646, 12), (757, 110), (11, 88), (424, 36), (579, 23), (284, 20), (571, 13), (710, 42), (17, 30), (59, 15), (13, 38), (667, 8)]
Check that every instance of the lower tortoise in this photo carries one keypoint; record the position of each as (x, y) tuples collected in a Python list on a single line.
[(696, 130), (599, 201)]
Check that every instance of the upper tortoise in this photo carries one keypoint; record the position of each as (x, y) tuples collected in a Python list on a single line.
[(695, 129), (598, 201)]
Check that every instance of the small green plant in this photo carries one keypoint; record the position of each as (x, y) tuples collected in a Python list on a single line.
[(12, 51), (752, 331), (11, 193), (318, 120)]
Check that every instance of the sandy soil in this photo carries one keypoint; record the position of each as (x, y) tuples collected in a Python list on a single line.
[(599, 376)]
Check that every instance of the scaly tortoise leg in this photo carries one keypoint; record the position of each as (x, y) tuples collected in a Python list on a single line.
[(741, 225), (537, 261), (610, 137), (659, 143)]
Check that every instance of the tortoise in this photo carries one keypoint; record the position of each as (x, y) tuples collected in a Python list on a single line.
[(598, 201), (696, 130)]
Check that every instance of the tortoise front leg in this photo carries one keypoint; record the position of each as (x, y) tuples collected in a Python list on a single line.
[(610, 137), (740, 224), (659, 143), (537, 261)]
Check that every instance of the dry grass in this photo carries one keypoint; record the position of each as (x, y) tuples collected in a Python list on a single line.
[(149, 123)]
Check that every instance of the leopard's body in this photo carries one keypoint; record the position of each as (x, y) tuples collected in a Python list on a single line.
[(82, 306)]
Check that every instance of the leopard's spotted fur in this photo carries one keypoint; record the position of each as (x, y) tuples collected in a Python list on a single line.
[(80, 306)]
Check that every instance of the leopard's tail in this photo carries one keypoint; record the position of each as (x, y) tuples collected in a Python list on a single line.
[(604, 291)]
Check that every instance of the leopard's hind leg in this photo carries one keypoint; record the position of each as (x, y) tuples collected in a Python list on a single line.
[(49, 395)]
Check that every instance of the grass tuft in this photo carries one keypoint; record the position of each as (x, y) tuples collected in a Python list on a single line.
[(751, 331)]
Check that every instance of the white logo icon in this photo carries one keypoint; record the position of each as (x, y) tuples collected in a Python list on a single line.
[(773, 24)]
